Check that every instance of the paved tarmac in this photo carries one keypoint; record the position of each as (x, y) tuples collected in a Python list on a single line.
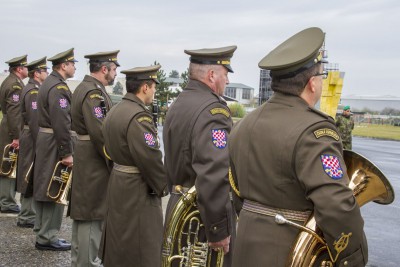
[(381, 222)]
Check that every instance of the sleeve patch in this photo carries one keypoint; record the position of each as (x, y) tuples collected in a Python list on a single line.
[(17, 87), (63, 103), (15, 97), (331, 166), (149, 139), (63, 87), (222, 111), (219, 138), (96, 96), (145, 118), (98, 112), (326, 132), (34, 105)]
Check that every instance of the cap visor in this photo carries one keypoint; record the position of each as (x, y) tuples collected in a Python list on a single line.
[(229, 68)]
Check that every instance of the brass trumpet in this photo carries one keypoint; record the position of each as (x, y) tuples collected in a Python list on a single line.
[(9, 162), (62, 177)]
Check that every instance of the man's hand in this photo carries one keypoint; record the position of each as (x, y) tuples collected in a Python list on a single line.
[(224, 244), (15, 143), (68, 161)]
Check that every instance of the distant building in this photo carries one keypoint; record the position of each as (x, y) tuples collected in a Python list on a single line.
[(175, 84), (240, 92), (375, 103), (265, 91)]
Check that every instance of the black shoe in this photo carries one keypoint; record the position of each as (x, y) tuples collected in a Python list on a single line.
[(57, 246), (25, 225), (15, 210)]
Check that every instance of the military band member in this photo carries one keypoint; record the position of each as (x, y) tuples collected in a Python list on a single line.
[(37, 72), (54, 143), (287, 159), (132, 234), (11, 124), (195, 138), (90, 104)]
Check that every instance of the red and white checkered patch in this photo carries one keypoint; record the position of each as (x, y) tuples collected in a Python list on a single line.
[(219, 138), (63, 102), (149, 139), (34, 105), (15, 97), (98, 112), (331, 165)]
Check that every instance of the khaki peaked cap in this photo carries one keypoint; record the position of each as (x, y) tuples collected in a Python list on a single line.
[(142, 73), (296, 54), (66, 56), (18, 61), (109, 56), (213, 56), (37, 64)]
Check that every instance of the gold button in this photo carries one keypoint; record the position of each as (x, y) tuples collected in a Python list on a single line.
[(345, 263), (215, 228)]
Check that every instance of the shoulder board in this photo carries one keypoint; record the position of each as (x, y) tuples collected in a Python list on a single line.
[(222, 111), (64, 87), (326, 132), (322, 114), (96, 96), (145, 119), (32, 92), (17, 87)]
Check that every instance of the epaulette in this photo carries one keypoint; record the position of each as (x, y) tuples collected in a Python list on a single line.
[(145, 118), (62, 87), (17, 87), (96, 96), (322, 114), (222, 111)]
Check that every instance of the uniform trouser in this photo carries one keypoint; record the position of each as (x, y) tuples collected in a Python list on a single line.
[(27, 213), (48, 221), (86, 236), (7, 193)]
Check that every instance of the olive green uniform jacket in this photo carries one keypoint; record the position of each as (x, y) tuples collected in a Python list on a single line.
[(27, 140), (280, 155), (10, 101), (132, 233), (345, 126), (195, 136), (54, 104), (90, 104)]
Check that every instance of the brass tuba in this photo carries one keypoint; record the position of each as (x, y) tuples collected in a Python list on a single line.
[(368, 184), (181, 245), (62, 179), (9, 162)]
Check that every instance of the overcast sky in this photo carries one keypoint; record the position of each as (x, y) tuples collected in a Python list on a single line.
[(362, 36)]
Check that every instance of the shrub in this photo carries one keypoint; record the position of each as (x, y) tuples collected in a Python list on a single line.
[(237, 110)]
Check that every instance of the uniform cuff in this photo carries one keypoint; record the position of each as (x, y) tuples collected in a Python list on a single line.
[(65, 150), (218, 231)]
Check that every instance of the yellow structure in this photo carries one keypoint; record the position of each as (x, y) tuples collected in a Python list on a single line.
[(331, 92)]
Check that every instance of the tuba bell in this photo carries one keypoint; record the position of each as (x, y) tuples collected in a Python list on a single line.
[(60, 183), (182, 245), (9, 162), (368, 184)]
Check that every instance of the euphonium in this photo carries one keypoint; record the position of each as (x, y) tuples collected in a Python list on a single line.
[(181, 245), (62, 176), (368, 184), (9, 162)]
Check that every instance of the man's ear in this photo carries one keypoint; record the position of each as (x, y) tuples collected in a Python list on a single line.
[(311, 84)]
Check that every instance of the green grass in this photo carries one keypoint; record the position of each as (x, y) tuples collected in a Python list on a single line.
[(388, 132)]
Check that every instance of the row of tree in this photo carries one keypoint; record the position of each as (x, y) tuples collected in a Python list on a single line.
[(163, 94)]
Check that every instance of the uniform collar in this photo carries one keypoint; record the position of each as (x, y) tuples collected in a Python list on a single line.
[(134, 98), (198, 85), (33, 81), (57, 75), (89, 78)]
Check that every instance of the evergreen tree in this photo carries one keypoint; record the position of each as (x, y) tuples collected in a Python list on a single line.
[(174, 74), (163, 93), (118, 89), (185, 78)]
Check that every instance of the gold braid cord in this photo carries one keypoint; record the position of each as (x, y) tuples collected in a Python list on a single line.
[(232, 182)]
